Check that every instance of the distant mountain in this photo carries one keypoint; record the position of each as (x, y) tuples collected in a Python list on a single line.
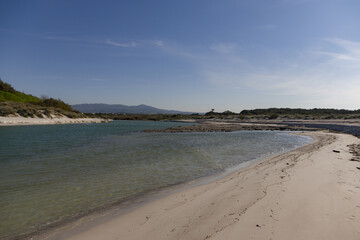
[(119, 108)]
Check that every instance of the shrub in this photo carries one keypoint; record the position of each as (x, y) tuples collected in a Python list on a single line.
[(273, 116), (56, 103), (6, 87)]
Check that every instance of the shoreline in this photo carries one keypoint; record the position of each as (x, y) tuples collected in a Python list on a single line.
[(126, 205), (168, 217), (23, 121)]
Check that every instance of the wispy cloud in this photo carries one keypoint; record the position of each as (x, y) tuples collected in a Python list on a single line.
[(323, 76), (118, 44), (330, 81), (315, 89), (223, 47), (99, 42), (305, 80), (187, 53), (350, 50), (60, 38), (159, 43), (338, 56)]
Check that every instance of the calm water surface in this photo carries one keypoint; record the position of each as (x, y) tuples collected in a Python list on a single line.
[(55, 172)]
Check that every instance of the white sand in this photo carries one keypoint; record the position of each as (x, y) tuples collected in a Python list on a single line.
[(12, 121), (310, 193)]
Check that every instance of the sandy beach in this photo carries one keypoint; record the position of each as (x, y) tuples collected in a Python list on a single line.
[(310, 193), (15, 121)]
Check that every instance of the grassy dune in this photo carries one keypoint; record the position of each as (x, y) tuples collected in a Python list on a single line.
[(13, 102)]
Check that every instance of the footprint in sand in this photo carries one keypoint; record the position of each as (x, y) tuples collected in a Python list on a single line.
[(351, 218)]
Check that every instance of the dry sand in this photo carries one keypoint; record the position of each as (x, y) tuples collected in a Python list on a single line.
[(13, 121), (309, 193)]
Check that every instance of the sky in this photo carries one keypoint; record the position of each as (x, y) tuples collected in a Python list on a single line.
[(190, 55)]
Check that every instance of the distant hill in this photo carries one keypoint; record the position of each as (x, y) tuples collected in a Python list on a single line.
[(119, 108), (13, 102)]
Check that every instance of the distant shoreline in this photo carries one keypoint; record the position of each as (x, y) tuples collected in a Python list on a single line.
[(21, 121), (225, 125)]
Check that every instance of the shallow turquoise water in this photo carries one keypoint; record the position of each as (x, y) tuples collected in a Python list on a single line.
[(51, 173)]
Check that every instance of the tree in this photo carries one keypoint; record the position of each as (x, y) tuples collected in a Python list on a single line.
[(211, 112)]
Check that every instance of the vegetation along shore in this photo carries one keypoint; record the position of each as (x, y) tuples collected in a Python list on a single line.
[(17, 108)]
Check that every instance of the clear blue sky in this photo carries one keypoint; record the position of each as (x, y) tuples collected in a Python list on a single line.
[(185, 55)]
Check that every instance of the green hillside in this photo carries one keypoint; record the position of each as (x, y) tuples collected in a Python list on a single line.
[(13, 102), (17, 97), (8, 93)]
